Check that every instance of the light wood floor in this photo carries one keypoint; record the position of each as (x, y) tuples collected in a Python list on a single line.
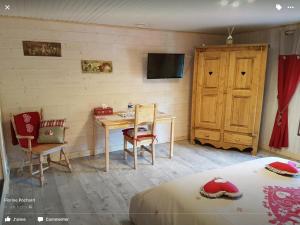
[(90, 196)]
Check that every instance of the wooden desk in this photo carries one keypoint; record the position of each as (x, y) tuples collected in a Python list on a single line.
[(115, 121)]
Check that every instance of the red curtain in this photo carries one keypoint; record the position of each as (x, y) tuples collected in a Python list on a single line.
[(288, 80)]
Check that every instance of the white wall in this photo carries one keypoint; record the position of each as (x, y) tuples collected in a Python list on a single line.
[(272, 36), (57, 84)]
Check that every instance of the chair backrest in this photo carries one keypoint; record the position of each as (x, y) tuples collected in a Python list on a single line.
[(145, 115), (27, 124)]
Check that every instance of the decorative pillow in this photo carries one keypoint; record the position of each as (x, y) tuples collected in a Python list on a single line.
[(51, 132), (53, 123), (219, 187), (283, 168)]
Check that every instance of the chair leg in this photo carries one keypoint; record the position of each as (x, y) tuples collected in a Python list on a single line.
[(135, 155), (153, 152), (66, 159), (49, 159), (142, 151), (125, 147), (30, 164), (41, 171)]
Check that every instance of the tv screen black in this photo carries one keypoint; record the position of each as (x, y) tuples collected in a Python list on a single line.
[(161, 65)]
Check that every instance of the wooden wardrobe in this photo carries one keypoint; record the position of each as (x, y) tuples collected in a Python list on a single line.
[(228, 87)]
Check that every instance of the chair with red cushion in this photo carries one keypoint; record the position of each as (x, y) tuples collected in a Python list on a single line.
[(26, 128), (140, 136)]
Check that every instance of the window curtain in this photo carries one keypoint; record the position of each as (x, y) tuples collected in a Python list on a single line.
[(288, 80)]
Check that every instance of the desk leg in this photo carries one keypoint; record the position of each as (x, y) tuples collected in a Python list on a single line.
[(106, 149), (172, 138), (93, 153)]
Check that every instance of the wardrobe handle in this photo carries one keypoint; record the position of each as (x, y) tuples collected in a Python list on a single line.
[(210, 72), (243, 73)]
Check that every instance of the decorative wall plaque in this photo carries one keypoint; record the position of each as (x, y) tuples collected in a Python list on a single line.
[(96, 66), (37, 48)]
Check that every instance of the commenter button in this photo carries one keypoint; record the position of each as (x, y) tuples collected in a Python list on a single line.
[(57, 219)]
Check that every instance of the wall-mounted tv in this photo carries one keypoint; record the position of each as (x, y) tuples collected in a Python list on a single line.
[(162, 65)]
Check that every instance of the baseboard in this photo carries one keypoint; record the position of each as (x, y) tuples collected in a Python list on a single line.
[(182, 138), (283, 152)]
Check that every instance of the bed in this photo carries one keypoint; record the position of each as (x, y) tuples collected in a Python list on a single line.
[(268, 198)]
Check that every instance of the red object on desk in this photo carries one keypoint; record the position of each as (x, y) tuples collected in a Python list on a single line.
[(99, 111)]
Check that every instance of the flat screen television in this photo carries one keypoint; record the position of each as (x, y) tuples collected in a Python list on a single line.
[(162, 65)]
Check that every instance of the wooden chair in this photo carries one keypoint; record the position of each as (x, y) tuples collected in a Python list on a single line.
[(139, 136), (29, 144)]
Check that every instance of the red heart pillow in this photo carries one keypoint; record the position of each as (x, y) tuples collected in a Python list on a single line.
[(283, 168), (219, 187)]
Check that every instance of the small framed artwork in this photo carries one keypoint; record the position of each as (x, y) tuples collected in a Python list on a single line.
[(96, 66), (37, 48), (299, 129)]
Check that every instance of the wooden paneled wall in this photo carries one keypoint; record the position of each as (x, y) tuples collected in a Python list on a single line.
[(59, 86), (273, 37)]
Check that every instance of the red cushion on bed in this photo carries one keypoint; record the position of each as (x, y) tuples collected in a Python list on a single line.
[(283, 168), (219, 187)]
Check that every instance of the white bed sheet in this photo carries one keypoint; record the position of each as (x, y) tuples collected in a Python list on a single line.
[(180, 203)]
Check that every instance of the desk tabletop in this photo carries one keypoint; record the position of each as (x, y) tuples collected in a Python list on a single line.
[(116, 119)]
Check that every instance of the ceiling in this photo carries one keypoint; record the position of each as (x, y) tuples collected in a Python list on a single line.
[(209, 16)]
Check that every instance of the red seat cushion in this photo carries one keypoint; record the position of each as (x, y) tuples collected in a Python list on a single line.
[(142, 133), (283, 168), (27, 124), (218, 187)]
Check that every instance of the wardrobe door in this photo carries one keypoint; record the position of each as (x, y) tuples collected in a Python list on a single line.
[(209, 91), (242, 94)]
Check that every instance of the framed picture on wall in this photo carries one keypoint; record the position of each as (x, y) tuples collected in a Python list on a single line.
[(96, 66), (299, 129), (37, 48)]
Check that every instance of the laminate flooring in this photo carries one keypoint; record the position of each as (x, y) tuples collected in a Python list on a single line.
[(90, 196)]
